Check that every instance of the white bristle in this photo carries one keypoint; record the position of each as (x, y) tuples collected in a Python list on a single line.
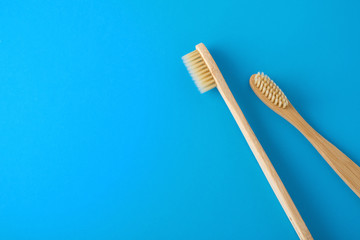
[(270, 90), (199, 71)]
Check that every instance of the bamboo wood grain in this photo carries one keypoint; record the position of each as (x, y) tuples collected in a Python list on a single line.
[(340, 163), (255, 146)]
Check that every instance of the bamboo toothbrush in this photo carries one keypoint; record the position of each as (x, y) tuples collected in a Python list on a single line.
[(207, 75), (275, 99)]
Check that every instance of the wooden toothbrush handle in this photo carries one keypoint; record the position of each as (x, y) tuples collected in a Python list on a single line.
[(342, 165), (265, 164)]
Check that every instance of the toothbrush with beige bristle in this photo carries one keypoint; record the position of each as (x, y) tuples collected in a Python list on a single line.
[(207, 75), (275, 99)]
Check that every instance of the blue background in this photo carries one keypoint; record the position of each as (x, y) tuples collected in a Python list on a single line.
[(103, 134)]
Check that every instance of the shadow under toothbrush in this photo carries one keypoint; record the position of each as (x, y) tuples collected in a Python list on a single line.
[(249, 103)]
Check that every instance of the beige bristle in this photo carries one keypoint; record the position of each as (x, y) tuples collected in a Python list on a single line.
[(199, 71), (267, 87)]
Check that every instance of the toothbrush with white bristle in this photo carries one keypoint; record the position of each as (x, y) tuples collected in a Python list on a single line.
[(206, 76), (275, 99)]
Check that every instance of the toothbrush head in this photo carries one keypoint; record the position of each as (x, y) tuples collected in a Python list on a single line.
[(263, 85), (197, 63)]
